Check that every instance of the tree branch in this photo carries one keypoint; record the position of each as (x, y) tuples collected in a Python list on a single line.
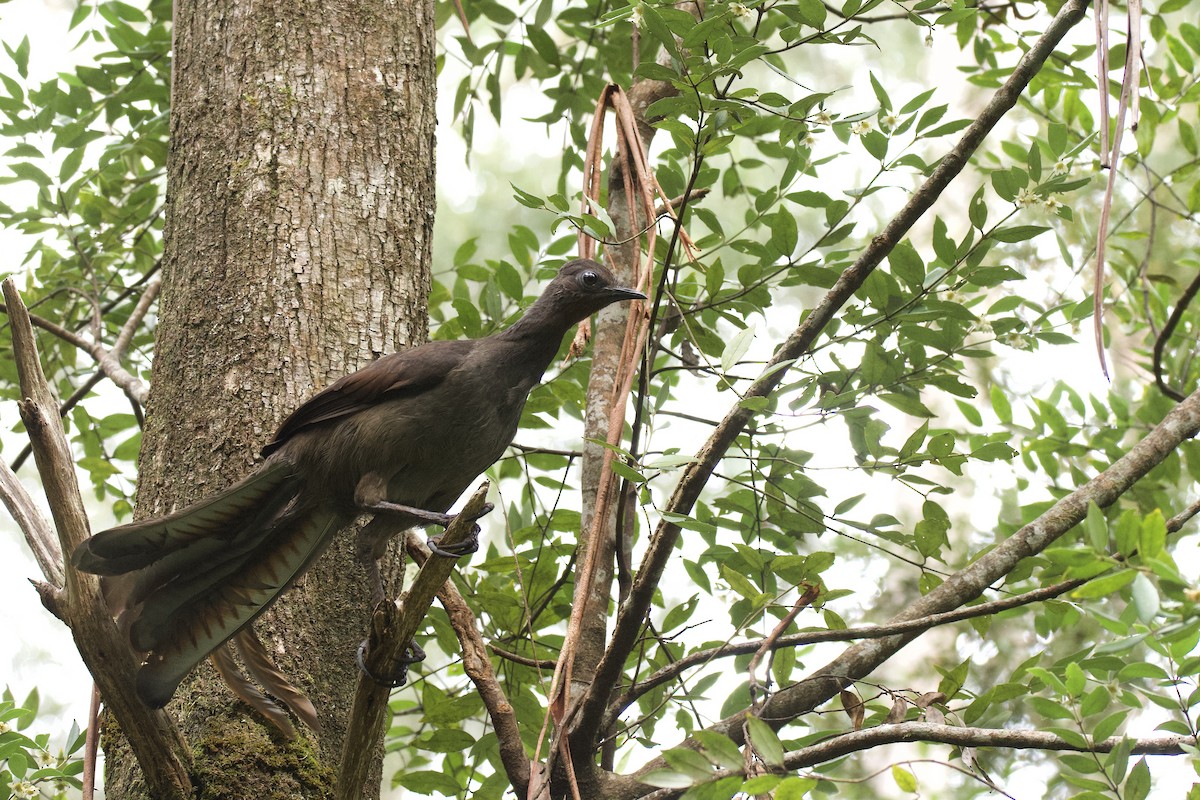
[(393, 626), (36, 528), (697, 473), (1160, 342), (670, 671), (109, 361), (856, 741), (1182, 423), (478, 667), (161, 750)]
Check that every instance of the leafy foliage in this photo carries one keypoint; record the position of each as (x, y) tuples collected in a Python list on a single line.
[(941, 410), (29, 765)]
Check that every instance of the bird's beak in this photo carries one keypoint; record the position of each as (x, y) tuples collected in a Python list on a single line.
[(618, 294)]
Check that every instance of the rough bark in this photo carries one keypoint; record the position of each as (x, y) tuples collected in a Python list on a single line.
[(300, 211)]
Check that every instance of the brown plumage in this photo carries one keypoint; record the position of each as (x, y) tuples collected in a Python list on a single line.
[(378, 440)]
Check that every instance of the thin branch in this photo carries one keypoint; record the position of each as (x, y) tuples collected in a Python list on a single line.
[(64, 407), (109, 362), (806, 598), (478, 667), (697, 473), (857, 741), (38, 532), (157, 743), (1160, 342), (524, 661), (804, 638), (393, 626)]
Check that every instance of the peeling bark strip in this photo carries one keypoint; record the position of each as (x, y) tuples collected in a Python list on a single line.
[(697, 473)]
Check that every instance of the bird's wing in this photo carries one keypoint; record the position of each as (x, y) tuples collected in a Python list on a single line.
[(399, 373)]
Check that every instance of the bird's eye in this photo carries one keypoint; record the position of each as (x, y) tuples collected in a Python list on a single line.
[(590, 279)]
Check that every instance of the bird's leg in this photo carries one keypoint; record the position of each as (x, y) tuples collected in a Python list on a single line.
[(373, 539), (371, 496)]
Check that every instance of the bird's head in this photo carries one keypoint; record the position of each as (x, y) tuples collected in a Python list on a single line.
[(583, 287)]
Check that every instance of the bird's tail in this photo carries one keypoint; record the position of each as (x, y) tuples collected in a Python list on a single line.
[(185, 583)]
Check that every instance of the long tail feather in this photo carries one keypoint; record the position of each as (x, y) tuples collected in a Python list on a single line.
[(260, 666), (193, 629), (138, 544), (222, 659)]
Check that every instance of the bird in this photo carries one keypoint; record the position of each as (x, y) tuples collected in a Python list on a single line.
[(402, 438)]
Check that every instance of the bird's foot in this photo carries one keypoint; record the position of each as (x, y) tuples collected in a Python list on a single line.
[(412, 655), (463, 548), (419, 514), (456, 550)]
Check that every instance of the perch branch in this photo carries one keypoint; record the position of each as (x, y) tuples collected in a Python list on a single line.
[(478, 667), (393, 626)]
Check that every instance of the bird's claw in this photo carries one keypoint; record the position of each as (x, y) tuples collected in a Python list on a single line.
[(411, 655)]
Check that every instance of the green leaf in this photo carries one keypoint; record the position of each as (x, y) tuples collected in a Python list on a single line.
[(1097, 528), (1000, 405), (764, 740), (721, 749), (1105, 585), (812, 13), (736, 348), (906, 264), (668, 779), (1145, 598), (425, 782), (905, 780), (1153, 535), (1076, 681), (1017, 233), (1137, 786)]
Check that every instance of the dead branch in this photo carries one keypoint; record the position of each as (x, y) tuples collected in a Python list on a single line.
[(157, 743)]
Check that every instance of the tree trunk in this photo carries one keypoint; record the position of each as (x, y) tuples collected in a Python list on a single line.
[(297, 239)]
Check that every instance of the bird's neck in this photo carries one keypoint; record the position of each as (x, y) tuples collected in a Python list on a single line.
[(539, 333)]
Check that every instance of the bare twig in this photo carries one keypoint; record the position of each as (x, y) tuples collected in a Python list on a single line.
[(1160, 341), (393, 626), (36, 528), (805, 599)]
